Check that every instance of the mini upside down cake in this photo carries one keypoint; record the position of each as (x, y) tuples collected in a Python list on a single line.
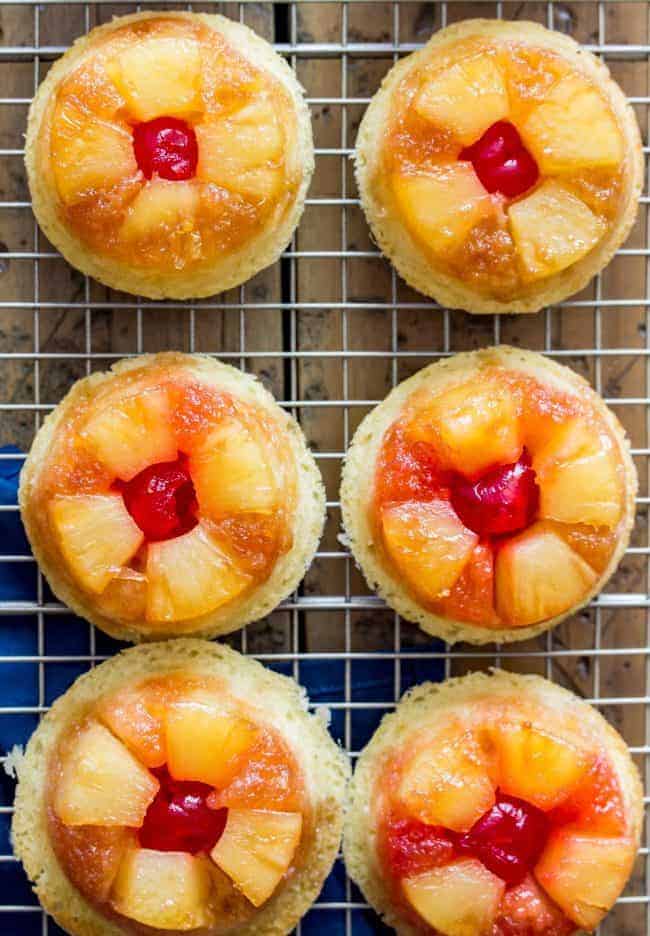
[(156, 796), (170, 496), (489, 496), (169, 154), (493, 805), (499, 167)]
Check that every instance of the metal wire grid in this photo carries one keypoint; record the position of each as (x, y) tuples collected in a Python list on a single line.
[(330, 609)]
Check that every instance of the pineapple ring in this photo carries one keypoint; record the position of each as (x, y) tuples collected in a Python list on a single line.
[(457, 894), (84, 875), (465, 415), (157, 238), (260, 499), (446, 234)]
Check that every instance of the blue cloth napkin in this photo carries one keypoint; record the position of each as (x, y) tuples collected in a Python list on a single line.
[(17, 580)]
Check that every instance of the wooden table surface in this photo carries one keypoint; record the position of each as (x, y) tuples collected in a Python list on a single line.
[(339, 326)]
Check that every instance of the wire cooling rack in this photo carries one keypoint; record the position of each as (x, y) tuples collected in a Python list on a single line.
[(329, 329)]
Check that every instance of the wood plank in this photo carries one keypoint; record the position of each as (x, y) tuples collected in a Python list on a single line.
[(319, 377), (319, 280)]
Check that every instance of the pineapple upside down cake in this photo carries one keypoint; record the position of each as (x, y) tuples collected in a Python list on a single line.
[(169, 154), (489, 496), (171, 495), (493, 805), (157, 796), (499, 167)]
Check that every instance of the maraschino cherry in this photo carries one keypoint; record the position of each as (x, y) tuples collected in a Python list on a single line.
[(166, 146), (508, 838), (179, 820), (501, 161), (502, 501), (162, 500)]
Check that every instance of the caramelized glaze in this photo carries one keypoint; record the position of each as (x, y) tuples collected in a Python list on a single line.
[(106, 210), (485, 256)]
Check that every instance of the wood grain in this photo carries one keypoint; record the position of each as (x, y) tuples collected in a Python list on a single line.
[(311, 336)]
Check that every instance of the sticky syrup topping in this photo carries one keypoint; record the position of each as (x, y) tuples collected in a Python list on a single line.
[(501, 161), (502, 501), (413, 846), (508, 838), (162, 500), (179, 819), (167, 147), (503, 473)]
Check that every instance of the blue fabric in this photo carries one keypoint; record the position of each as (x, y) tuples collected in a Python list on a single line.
[(17, 580), (371, 680)]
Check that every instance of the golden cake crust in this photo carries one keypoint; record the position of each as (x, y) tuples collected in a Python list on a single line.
[(306, 524), (430, 704), (231, 269), (398, 245), (325, 768), (359, 470)]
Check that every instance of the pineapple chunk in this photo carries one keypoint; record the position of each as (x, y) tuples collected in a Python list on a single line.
[(230, 81), (130, 434), (88, 154), (249, 138), (526, 910), (457, 899), (165, 890), (428, 544), (256, 850), (135, 715), (572, 129), (594, 544), (441, 206), (448, 785), (97, 536), (466, 98), (538, 767), (552, 229), (529, 76), (585, 874), (268, 777), (241, 152), (257, 185), (231, 474), (101, 783), (190, 576), (578, 478), (162, 208), (538, 576), (473, 427), (159, 76), (204, 742)]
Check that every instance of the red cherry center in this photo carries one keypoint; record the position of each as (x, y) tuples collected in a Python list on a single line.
[(161, 499), (503, 500), (179, 818), (501, 161), (166, 146), (508, 838)]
